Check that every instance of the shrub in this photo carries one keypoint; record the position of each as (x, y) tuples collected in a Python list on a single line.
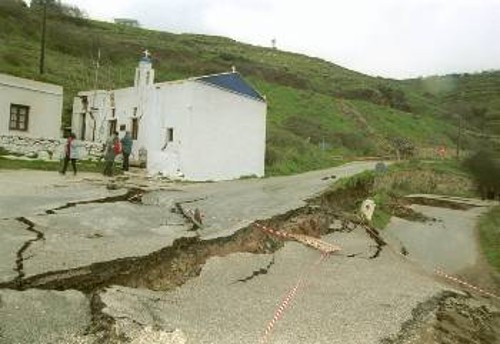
[(485, 169), (358, 142)]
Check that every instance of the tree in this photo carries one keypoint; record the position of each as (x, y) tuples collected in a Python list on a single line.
[(403, 147), (485, 169), (58, 8), (12, 6)]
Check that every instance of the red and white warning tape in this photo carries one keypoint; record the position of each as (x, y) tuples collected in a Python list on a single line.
[(278, 314), (322, 246), (326, 249), (279, 311), (440, 272)]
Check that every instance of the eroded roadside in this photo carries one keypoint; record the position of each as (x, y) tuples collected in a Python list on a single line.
[(450, 318)]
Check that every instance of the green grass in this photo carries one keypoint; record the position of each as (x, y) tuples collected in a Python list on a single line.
[(489, 232), (18, 164)]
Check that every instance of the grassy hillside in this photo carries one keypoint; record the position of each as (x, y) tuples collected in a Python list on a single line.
[(317, 110), (474, 97)]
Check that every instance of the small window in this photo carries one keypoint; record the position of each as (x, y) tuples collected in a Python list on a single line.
[(113, 112), (85, 103), (135, 112), (112, 126), (135, 128), (19, 116), (170, 134), (123, 127)]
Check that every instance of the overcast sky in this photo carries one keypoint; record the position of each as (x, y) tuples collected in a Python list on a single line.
[(390, 38)]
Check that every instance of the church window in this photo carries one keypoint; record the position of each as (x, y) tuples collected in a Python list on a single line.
[(85, 103), (135, 128), (19, 115), (112, 126), (170, 134)]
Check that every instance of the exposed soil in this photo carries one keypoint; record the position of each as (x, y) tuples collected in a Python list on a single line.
[(439, 203), (450, 318)]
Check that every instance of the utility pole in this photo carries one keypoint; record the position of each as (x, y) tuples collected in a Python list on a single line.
[(42, 48), (459, 138)]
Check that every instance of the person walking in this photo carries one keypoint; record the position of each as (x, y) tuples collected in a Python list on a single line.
[(70, 153), (111, 150), (127, 143)]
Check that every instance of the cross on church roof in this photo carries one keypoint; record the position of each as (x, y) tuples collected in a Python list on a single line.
[(146, 53)]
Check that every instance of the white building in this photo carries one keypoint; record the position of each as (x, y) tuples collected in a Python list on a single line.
[(205, 128), (30, 108)]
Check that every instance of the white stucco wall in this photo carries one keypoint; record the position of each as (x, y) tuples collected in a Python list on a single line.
[(218, 135), (95, 125), (45, 106), (227, 135), (126, 101), (171, 109)]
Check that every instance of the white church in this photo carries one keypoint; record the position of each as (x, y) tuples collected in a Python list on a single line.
[(204, 128)]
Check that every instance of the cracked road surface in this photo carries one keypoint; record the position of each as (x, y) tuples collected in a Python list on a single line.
[(98, 257), (97, 232)]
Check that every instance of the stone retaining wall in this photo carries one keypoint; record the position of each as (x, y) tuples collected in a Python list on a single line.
[(47, 149)]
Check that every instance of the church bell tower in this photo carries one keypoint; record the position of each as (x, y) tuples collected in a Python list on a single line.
[(144, 73)]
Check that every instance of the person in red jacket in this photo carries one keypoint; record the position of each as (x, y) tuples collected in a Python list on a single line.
[(70, 153)]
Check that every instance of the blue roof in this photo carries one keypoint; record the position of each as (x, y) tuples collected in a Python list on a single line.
[(232, 82)]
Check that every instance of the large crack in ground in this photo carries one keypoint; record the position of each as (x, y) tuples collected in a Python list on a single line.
[(133, 195), (172, 266), (256, 273), (20, 258), (196, 223), (454, 204)]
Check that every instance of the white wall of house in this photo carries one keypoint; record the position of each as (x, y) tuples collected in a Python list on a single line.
[(42, 101), (172, 112), (217, 134), (227, 135), (102, 108)]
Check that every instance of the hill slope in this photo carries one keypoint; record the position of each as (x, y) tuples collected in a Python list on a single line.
[(317, 109)]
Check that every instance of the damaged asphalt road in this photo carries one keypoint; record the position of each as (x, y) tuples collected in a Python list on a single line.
[(103, 266)]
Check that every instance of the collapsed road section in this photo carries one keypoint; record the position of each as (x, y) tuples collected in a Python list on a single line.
[(172, 266), (131, 269)]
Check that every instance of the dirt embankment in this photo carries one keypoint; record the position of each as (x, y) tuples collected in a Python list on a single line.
[(450, 318)]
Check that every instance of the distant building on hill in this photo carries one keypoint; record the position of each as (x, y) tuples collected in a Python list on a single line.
[(127, 22), (203, 128), (30, 108)]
